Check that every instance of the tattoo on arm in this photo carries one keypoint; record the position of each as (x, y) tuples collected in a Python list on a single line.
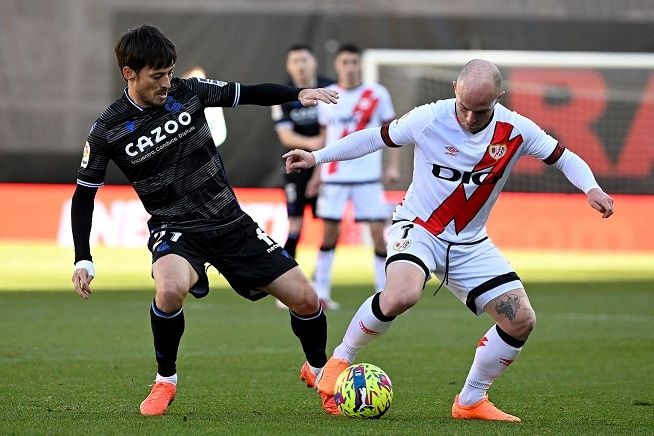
[(509, 306)]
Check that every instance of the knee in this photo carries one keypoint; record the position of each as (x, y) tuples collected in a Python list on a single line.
[(393, 303), (169, 295), (307, 302), (523, 325)]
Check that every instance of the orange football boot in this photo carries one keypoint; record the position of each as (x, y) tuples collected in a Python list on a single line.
[(326, 382), (161, 395), (482, 409), (307, 376)]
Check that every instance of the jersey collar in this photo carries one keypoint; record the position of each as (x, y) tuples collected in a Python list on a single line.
[(132, 101)]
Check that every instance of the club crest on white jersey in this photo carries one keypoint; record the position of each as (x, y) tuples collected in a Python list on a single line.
[(497, 151)]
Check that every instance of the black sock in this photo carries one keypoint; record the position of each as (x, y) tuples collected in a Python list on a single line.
[(167, 330), (311, 330), (291, 244)]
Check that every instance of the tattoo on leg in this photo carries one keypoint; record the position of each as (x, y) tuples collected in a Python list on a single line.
[(509, 306)]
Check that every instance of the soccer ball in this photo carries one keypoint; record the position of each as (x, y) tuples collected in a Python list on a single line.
[(363, 390)]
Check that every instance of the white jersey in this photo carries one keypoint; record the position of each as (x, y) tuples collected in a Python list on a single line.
[(368, 105), (457, 175)]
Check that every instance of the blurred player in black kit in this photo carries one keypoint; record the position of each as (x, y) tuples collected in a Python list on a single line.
[(157, 134), (297, 127)]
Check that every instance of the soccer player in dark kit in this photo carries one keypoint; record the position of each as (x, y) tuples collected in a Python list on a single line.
[(297, 127), (157, 134)]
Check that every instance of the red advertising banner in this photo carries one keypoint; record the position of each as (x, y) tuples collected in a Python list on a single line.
[(518, 221)]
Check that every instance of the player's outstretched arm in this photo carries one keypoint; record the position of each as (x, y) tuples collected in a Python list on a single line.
[(81, 212), (268, 94), (311, 96), (580, 175), (352, 146), (601, 202)]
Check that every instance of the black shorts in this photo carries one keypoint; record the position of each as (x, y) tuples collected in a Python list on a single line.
[(295, 185), (245, 255)]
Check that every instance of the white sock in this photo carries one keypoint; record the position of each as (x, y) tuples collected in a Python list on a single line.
[(492, 357), (363, 328), (380, 272), (315, 370), (170, 379), (322, 278)]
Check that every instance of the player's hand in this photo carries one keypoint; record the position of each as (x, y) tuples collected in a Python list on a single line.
[(601, 201), (311, 96), (82, 281), (297, 160)]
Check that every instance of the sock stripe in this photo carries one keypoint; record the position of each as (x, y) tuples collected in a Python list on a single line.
[(307, 317), (161, 314), (478, 385), (510, 340)]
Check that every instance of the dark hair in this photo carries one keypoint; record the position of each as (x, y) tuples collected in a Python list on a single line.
[(144, 46), (299, 46), (348, 47)]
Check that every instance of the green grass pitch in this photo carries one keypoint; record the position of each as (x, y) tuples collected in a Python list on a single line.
[(82, 367)]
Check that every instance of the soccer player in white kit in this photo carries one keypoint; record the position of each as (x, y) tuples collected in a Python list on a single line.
[(465, 148), (361, 105)]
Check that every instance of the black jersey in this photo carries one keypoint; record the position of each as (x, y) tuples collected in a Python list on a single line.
[(303, 120), (168, 156)]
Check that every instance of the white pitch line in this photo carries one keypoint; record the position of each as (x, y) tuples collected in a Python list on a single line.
[(574, 316)]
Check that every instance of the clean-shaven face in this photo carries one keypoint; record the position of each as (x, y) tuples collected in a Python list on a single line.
[(348, 69), (301, 66), (475, 105)]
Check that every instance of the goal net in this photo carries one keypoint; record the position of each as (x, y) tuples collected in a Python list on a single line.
[(600, 105)]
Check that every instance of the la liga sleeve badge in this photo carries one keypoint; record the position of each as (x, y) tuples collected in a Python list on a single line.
[(86, 154)]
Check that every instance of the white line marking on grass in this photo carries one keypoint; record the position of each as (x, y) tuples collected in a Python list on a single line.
[(573, 316)]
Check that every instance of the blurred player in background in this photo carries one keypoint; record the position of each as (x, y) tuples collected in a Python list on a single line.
[(465, 148), (297, 127), (214, 115), (361, 105), (157, 134)]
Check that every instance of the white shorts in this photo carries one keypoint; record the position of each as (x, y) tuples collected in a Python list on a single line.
[(476, 273), (368, 199)]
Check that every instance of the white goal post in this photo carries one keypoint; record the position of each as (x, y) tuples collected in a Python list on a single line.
[(601, 105), (373, 58)]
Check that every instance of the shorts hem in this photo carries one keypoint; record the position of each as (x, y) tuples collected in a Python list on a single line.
[(482, 300), (412, 259), (253, 293)]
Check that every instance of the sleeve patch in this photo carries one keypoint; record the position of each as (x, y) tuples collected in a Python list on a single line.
[(212, 81), (86, 154)]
